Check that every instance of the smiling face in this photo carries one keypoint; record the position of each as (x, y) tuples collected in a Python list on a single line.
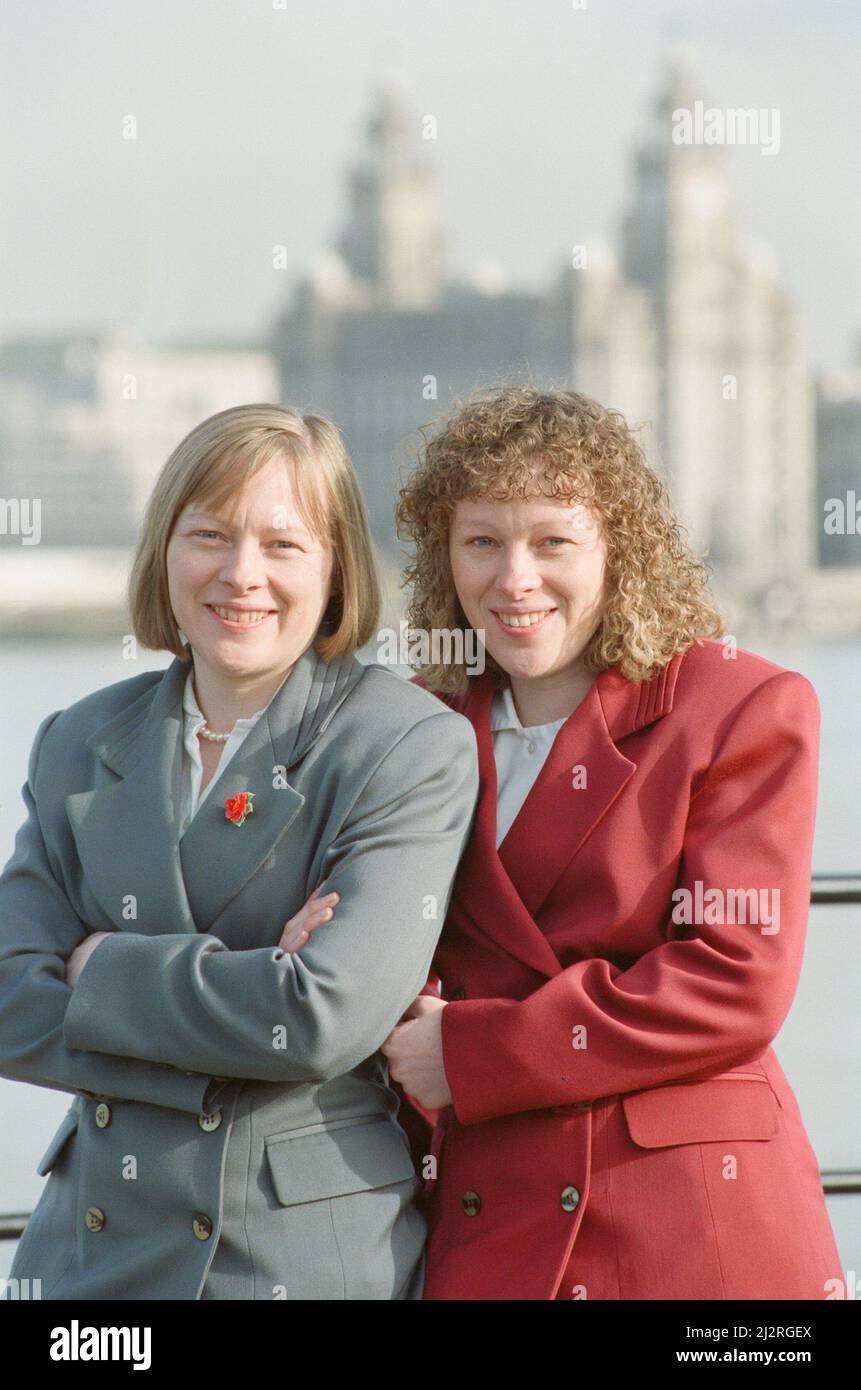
[(531, 573), (249, 585)]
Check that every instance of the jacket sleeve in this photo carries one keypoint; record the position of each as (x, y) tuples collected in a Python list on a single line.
[(39, 929), (415, 1118), (267, 1014), (713, 995)]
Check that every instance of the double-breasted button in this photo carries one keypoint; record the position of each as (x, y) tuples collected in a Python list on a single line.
[(202, 1226), (103, 1115), (212, 1121), (458, 993), (94, 1218), (471, 1203), (570, 1199)]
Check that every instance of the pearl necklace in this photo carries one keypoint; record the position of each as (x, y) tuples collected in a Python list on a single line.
[(206, 732)]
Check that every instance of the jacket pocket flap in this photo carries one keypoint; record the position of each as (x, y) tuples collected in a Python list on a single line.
[(701, 1112), (332, 1163), (67, 1127)]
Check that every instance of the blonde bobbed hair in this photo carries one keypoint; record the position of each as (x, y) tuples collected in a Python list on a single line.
[(212, 465)]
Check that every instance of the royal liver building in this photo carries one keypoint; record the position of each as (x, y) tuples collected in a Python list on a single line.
[(686, 329), (733, 397)]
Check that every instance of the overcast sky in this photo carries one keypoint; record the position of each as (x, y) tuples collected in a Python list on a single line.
[(249, 115)]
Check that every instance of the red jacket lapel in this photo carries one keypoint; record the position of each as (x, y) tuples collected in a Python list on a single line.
[(557, 816)]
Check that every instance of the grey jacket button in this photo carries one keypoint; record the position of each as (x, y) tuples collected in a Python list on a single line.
[(94, 1218), (570, 1199), (210, 1121), (202, 1226), (471, 1203), (103, 1115)]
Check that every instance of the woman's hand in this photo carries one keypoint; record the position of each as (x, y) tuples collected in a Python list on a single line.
[(81, 954), (414, 1053), (297, 931), (316, 911)]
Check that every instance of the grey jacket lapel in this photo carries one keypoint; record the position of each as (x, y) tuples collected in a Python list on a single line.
[(127, 834)]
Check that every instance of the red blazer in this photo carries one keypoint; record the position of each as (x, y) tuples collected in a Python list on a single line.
[(621, 1127)]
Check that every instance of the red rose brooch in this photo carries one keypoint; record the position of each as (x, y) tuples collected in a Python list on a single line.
[(237, 807)]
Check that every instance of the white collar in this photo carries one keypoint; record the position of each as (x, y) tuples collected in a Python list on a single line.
[(503, 714)]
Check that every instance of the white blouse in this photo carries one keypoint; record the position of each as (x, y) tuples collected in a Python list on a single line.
[(192, 766), (519, 754)]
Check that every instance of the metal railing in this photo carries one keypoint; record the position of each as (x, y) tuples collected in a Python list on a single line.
[(832, 890), (836, 890)]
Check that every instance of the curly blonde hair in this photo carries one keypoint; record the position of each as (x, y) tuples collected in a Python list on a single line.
[(658, 602)]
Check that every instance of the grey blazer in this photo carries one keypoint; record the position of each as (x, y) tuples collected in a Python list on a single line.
[(233, 1132)]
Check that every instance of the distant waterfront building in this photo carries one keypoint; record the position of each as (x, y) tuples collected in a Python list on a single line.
[(55, 445), (176, 388), (86, 423), (735, 410), (688, 331)]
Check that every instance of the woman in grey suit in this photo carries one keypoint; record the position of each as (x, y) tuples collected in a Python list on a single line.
[(233, 1132)]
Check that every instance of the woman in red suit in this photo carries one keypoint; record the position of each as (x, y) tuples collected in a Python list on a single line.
[(627, 924)]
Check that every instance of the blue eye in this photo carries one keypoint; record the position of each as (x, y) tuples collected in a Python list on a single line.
[(562, 540)]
